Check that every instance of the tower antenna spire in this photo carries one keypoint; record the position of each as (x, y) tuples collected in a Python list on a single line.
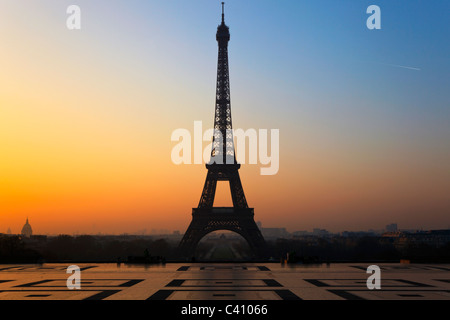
[(223, 12)]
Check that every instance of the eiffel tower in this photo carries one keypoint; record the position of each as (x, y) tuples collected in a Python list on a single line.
[(223, 167)]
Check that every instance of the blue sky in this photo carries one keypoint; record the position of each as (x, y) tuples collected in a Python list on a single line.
[(351, 116)]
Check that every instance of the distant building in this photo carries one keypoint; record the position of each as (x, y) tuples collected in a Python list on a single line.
[(357, 234), (9, 231), (300, 233), (391, 227), (26, 230), (320, 232), (434, 238), (317, 232), (274, 232)]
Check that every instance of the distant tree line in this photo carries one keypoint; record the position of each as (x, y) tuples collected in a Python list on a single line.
[(356, 249), (15, 249), (80, 248), (92, 248)]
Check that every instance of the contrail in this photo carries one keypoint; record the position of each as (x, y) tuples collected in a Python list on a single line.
[(399, 66)]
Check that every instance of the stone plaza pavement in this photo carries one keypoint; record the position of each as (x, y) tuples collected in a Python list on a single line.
[(225, 281)]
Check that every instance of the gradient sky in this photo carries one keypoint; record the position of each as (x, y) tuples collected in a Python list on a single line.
[(86, 116)]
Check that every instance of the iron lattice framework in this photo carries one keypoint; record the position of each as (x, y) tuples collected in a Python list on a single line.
[(222, 167)]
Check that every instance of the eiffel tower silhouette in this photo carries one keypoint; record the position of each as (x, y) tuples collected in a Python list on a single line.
[(223, 167)]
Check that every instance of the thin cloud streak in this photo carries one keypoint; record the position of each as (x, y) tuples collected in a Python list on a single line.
[(400, 66)]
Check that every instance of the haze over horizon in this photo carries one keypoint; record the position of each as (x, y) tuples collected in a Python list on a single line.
[(86, 115), (97, 230)]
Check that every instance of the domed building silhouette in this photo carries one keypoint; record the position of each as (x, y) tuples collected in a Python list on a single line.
[(26, 230)]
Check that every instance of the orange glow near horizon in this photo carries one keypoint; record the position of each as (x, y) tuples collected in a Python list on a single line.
[(86, 120)]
